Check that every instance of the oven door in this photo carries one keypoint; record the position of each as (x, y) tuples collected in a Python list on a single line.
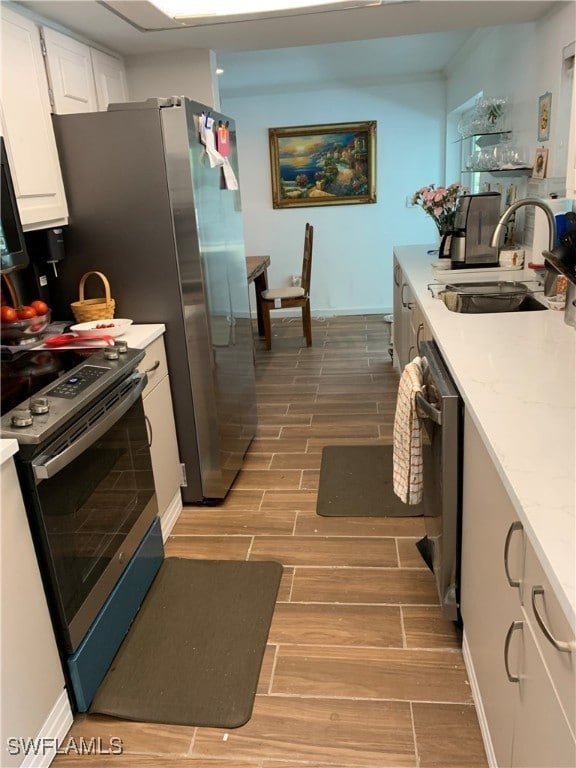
[(442, 478), (91, 499)]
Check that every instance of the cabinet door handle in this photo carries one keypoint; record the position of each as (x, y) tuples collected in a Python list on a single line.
[(402, 295), (516, 526), (560, 645), (149, 430), (511, 629), (154, 367), (418, 332)]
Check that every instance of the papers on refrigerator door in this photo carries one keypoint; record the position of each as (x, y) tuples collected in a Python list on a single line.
[(206, 126), (216, 160), (223, 138), (229, 175)]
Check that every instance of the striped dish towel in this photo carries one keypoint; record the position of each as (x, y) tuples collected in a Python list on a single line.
[(407, 448)]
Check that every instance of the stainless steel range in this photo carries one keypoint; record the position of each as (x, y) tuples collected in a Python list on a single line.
[(86, 478)]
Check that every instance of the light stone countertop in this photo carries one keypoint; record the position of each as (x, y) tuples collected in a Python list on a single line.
[(140, 336), (516, 373), (137, 336), (7, 449)]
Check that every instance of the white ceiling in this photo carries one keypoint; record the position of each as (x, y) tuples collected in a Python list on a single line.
[(93, 20), (394, 40)]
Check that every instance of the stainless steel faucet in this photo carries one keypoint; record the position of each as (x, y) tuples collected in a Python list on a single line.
[(551, 274)]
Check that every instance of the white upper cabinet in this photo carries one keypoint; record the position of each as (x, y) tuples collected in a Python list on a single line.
[(110, 78), (26, 124), (69, 68), (82, 78)]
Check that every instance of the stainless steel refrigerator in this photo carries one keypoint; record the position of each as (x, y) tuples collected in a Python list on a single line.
[(148, 208)]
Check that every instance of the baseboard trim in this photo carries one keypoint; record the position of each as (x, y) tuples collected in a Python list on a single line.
[(324, 314), (171, 515), (490, 756), (53, 731)]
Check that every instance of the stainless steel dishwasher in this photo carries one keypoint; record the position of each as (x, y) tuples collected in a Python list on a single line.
[(441, 409)]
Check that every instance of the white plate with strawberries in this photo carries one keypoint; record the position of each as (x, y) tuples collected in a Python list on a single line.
[(112, 327)]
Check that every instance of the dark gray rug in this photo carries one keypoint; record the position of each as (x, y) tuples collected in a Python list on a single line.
[(356, 481), (194, 652)]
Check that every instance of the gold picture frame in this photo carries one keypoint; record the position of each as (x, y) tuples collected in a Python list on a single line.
[(331, 164)]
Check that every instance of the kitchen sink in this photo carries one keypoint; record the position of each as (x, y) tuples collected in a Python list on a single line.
[(531, 304), (490, 297), (528, 304)]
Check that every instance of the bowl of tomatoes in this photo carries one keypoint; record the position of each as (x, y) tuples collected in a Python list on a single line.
[(20, 325)]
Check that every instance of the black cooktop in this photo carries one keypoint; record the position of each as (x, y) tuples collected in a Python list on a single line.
[(26, 372), (43, 391)]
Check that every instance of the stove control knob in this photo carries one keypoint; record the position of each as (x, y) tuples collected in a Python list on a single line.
[(111, 353), (39, 405), (121, 345), (22, 417)]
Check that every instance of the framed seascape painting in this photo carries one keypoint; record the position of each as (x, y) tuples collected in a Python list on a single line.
[(332, 164)]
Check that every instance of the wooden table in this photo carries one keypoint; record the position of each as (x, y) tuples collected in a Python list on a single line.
[(257, 269)]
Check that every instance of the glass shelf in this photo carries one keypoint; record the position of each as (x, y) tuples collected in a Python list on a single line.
[(521, 171), (483, 139)]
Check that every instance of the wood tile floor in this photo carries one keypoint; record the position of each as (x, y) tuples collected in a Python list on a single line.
[(360, 669)]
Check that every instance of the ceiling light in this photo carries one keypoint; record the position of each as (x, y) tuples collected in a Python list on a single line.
[(191, 9), (155, 15)]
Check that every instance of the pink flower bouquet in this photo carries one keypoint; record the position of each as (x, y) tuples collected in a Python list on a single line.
[(440, 203)]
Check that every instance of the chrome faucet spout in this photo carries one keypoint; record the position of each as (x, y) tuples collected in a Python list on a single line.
[(507, 215)]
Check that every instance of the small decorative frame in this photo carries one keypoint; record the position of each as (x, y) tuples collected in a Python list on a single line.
[(540, 163), (544, 110), (332, 164)]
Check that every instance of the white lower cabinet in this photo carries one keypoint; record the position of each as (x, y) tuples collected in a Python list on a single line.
[(34, 701), (159, 413), (419, 331), (401, 329), (488, 603), (541, 605), (542, 736), (409, 327), (525, 721)]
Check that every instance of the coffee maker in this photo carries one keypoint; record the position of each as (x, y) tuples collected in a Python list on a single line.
[(468, 244)]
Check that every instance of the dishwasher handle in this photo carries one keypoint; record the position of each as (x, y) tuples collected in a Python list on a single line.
[(427, 410)]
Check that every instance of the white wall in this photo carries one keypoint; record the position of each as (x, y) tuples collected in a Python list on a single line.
[(190, 72), (352, 262), (522, 62)]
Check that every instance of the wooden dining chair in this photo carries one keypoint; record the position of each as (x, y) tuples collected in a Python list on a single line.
[(292, 296)]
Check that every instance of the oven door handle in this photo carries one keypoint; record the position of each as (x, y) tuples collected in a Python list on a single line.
[(428, 410), (44, 470)]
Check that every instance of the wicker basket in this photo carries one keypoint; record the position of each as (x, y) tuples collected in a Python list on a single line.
[(93, 309)]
